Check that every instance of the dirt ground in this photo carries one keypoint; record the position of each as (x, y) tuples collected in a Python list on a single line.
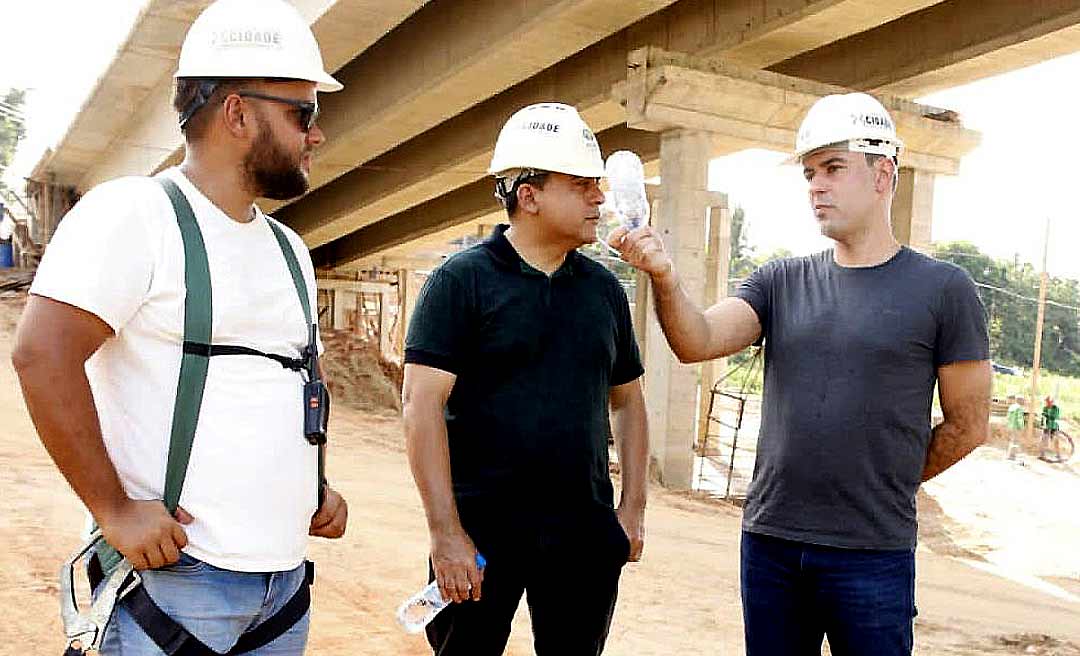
[(998, 563)]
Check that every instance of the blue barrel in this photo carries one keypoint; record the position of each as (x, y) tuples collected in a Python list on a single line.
[(7, 255)]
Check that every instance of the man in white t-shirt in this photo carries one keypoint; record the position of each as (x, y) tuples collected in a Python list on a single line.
[(98, 350)]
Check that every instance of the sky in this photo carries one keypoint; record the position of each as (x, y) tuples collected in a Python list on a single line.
[(1020, 176)]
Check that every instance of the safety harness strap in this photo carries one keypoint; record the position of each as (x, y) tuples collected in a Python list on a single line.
[(175, 640), (172, 638), (294, 269), (197, 349), (209, 350), (301, 292), (198, 314)]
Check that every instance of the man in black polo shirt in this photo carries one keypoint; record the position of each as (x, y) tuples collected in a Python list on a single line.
[(855, 339), (520, 359)]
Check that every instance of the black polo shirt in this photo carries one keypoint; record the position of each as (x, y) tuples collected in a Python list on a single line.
[(535, 358)]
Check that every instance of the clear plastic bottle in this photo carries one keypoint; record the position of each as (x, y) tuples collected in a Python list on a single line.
[(417, 611), (626, 177)]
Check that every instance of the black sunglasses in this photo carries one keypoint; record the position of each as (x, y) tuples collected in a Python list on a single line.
[(308, 111)]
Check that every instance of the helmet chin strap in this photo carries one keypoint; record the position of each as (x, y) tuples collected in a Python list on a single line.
[(506, 189), (203, 92)]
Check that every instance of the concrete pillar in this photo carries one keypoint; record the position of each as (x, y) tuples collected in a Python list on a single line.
[(409, 284), (717, 261), (670, 387), (386, 339), (641, 283), (343, 303), (913, 209)]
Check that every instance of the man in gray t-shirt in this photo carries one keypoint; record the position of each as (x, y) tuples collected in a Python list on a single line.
[(855, 340), (851, 358)]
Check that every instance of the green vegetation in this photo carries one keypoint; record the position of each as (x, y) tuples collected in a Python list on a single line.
[(12, 127), (1010, 291), (1064, 389)]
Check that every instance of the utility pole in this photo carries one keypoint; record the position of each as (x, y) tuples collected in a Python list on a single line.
[(1033, 403)]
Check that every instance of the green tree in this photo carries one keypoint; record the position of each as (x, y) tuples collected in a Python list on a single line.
[(12, 128), (1009, 291), (741, 261)]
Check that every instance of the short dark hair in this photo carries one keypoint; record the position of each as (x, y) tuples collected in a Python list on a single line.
[(187, 92)]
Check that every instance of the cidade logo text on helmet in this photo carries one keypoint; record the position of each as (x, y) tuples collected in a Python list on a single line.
[(540, 126), (872, 121), (246, 38)]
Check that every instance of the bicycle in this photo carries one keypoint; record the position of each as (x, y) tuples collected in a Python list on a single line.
[(1060, 443)]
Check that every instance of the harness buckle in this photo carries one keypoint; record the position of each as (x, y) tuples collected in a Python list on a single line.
[(85, 630)]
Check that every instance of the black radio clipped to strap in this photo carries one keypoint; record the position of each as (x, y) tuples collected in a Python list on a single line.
[(316, 396)]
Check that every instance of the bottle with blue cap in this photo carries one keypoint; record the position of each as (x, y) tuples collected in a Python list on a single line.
[(417, 611)]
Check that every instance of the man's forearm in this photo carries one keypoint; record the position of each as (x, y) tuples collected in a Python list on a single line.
[(949, 443), (429, 459), (683, 323), (632, 441), (62, 408)]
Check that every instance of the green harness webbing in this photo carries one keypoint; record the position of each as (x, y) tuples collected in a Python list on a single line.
[(198, 315)]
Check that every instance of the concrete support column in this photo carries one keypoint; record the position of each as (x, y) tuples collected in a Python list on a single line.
[(913, 208), (672, 388), (717, 261), (386, 340), (642, 291), (343, 303), (409, 284)]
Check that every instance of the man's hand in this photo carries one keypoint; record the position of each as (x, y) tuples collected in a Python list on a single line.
[(453, 557), (633, 523), (330, 520), (145, 533), (643, 249)]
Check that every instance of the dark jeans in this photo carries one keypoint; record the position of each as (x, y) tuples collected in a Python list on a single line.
[(568, 567), (794, 594)]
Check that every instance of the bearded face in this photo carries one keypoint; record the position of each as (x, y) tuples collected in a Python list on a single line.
[(270, 169)]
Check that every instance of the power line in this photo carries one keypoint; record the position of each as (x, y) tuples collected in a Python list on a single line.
[(1024, 298)]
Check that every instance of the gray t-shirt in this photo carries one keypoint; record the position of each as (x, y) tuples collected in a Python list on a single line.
[(851, 358)]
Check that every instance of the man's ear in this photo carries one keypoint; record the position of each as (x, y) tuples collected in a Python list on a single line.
[(234, 115), (885, 176), (526, 199)]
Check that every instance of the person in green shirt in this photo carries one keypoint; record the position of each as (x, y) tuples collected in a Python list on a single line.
[(1015, 421), (1050, 415)]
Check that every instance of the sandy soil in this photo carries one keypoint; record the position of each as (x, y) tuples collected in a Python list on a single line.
[(999, 563)]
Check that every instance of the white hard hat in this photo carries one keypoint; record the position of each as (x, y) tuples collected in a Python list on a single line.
[(253, 39), (547, 137), (855, 121)]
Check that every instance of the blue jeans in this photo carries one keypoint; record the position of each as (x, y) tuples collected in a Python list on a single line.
[(214, 605), (794, 594)]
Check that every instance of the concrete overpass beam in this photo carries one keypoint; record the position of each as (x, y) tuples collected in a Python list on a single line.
[(449, 56), (745, 108), (425, 164), (944, 45)]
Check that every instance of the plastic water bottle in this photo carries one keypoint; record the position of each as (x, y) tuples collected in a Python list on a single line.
[(417, 611), (626, 177)]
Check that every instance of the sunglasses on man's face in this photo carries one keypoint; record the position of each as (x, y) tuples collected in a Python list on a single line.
[(307, 110)]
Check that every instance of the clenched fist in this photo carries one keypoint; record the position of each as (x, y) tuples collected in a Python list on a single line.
[(643, 249)]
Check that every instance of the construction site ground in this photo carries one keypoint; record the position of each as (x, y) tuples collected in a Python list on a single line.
[(998, 562)]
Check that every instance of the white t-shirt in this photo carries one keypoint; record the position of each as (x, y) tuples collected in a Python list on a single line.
[(251, 481)]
